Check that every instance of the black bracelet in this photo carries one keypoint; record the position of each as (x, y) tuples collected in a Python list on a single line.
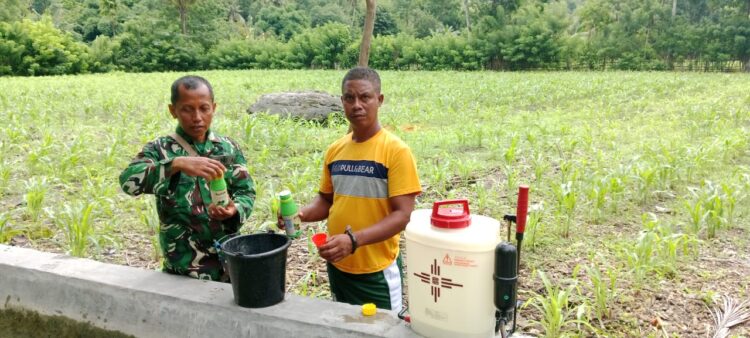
[(353, 238)]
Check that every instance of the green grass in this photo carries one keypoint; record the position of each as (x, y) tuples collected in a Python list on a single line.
[(598, 150)]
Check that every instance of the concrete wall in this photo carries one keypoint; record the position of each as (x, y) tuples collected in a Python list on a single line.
[(148, 303)]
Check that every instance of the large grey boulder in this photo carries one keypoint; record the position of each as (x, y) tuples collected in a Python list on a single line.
[(308, 105)]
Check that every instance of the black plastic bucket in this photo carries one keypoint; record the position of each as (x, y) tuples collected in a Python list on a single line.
[(257, 268)]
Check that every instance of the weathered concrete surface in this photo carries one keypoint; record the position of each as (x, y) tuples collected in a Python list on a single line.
[(147, 303), (309, 105)]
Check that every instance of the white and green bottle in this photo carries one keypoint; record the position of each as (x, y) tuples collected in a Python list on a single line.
[(219, 195), (288, 210)]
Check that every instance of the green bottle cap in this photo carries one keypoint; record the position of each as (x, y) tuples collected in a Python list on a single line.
[(218, 184), (285, 195), (287, 205)]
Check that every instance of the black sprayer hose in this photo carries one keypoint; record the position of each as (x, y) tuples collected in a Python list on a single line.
[(403, 316)]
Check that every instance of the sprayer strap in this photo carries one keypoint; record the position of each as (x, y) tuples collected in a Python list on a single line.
[(181, 141)]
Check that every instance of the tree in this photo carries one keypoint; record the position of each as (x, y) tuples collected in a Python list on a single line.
[(466, 15), (283, 22), (13, 10), (108, 9), (183, 6), (385, 24), (40, 6), (39, 48), (364, 48)]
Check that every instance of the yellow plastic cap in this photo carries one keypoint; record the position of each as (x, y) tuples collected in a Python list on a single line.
[(369, 309)]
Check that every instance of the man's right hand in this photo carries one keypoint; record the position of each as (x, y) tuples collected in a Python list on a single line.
[(198, 166), (280, 220)]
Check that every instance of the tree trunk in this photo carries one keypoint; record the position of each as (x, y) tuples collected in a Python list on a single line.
[(364, 48), (466, 14), (183, 18), (674, 8)]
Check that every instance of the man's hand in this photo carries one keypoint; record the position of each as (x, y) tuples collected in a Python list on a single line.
[(337, 248), (280, 220), (221, 213), (198, 166)]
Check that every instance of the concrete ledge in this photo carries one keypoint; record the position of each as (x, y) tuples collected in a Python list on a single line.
[(148, 303)]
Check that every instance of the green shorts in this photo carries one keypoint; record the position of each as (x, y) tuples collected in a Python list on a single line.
[(382, 288)]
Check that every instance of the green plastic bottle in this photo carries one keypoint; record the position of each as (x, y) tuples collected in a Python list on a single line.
[(288, 210), (219, 195)]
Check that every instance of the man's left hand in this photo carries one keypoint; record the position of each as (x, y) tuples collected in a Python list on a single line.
[(337, 248), (222, 213)]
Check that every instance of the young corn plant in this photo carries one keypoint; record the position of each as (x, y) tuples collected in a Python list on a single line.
[(568, 171), (150, 220), (482, 201), (308, 286), (730, 196), (437, 174), (616, 189), (715, 212), (77, 224), (645, 179), (597, 195), (640, 258), (36, 190), (70, 160), (533, 228), (556, 311), (566, 205), (540, 165), (665, 176), (37, 159), (604, 291), (696, 215), (467, 170), (510, 154), (6, 230), (512, 183), (4, 178), (667, 173), (658, 249)]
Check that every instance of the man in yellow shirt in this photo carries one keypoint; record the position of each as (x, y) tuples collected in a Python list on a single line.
[(367, 193)]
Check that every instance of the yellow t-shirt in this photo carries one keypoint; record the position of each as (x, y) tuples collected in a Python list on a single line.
[(362, 176)]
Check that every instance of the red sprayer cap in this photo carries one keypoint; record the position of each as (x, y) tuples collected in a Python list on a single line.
[(319, 239), (450, 218), (522, 208)]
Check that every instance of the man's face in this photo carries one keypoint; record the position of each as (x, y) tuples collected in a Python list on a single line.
[(194, 111), (361, 103)]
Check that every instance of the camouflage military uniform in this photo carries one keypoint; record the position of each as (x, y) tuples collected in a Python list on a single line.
[(186, 233)]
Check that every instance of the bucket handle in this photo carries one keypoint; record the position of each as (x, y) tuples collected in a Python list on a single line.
[(464, 202), (217, 244)]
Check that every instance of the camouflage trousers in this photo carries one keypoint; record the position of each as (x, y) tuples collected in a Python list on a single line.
[(190, 253)]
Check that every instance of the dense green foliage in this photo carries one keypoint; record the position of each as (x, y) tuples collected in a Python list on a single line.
[(160, 35)]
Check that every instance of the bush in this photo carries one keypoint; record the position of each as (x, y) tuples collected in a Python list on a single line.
[(38, 48), (249, 54), (148, 46), (320, 47)]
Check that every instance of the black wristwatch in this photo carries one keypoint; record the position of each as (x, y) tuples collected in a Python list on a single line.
[(349, 232)]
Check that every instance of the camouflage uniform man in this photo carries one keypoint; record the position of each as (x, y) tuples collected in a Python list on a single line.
[(189, 223)]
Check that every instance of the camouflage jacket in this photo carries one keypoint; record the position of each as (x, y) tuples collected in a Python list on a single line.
[(187, 233)]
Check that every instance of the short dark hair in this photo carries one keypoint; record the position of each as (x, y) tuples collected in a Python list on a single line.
[(190, 82), (362, 73)]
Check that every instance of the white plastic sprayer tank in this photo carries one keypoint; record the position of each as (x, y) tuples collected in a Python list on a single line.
[(450, 260)]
